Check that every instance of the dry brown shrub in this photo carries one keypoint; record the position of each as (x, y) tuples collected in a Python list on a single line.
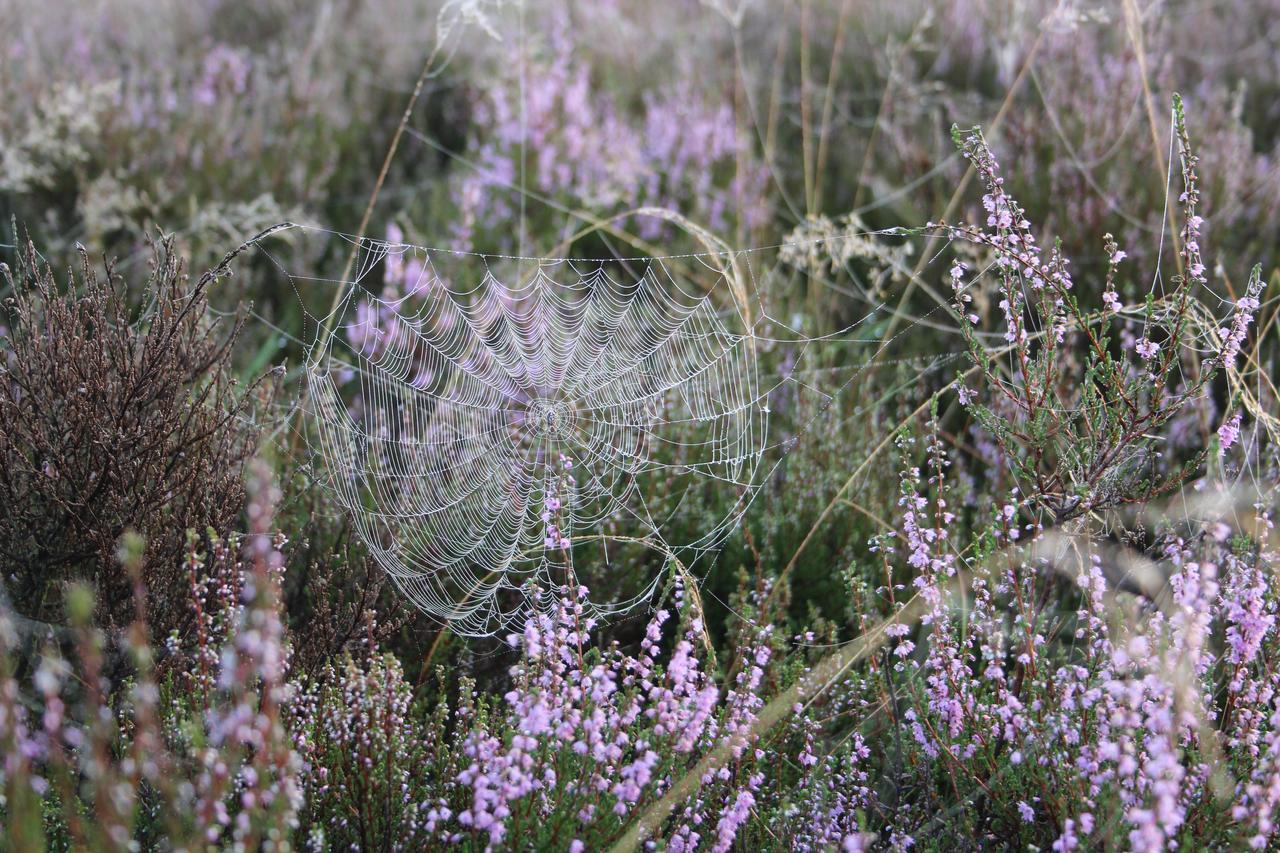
[(114, 418)]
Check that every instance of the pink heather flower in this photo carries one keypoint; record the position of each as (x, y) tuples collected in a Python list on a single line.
[(1146, 348), (1233, 335), (1248, 618), (732, 819), (1068, 840), (1229, 433), (853, 843)]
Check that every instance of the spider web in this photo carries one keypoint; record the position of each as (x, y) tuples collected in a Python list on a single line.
[(485, 432)]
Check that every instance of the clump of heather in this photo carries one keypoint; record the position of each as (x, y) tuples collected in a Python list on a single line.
[(1078, 397), (584, 742), (1070, 690), (1118, 722), (546, 129), (114, 417), (1084, 117), (190, 744), (371, 763)]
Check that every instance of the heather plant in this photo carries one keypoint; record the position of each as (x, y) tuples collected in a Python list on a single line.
[(1112, 723), (190, 118), (1099, 144), (274, 107), (585, 739), (1079, 430), (1076, 90), (541, 124), (371, 763), (337, 599), (188, 748), (114, 418), (1144, 714)]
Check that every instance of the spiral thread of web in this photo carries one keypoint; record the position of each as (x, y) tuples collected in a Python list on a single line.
[(484, 435)]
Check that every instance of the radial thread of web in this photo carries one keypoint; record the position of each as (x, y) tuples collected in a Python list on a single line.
[(484, 437)]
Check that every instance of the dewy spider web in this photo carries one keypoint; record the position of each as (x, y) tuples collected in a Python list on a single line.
[(482, 434)]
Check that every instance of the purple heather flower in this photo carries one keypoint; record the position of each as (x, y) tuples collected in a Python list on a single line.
[(1229, 433)]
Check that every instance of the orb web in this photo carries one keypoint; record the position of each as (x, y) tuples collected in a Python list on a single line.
[(484, 436)]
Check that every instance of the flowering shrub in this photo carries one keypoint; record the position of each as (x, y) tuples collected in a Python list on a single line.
[(1146, 718), (580, 146), (1118, 720), (191, 747), (584, 740), (1080, 432)]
